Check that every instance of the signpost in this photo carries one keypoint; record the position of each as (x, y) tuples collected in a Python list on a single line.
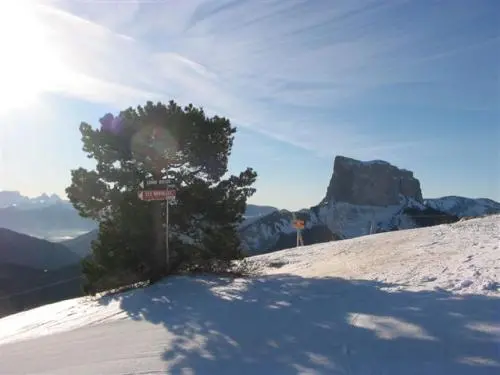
[(159, 190), (157, 195), (154, 184), (162, 153), (156, 190), (299, 225)]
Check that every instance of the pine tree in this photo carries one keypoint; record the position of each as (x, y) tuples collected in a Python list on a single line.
[(159, 141)]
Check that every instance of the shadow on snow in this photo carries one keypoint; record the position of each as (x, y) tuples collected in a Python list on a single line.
[(288, 324)]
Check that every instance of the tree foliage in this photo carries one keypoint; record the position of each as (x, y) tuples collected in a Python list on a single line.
[(137, 145)]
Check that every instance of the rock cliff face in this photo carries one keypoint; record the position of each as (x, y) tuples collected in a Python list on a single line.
[(372, 183)]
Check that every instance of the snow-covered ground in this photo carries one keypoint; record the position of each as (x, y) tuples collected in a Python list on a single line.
[(422, 301), (461, 258)]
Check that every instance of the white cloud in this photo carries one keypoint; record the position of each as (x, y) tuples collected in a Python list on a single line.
[(253, 61)]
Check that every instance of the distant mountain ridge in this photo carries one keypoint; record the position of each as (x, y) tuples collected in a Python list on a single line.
[(362, 198), (48, 221), (54, 219), (34, 272), (27, 251), (462, 206), (255, 212), (81, 245), (16, 199), (46, 216)]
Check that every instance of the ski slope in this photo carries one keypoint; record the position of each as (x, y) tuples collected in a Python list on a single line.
[(422, 301)]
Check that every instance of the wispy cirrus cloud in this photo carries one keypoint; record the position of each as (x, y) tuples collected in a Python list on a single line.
[(282, 68)]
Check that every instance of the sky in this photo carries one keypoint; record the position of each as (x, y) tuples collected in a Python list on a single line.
[(415, 83)]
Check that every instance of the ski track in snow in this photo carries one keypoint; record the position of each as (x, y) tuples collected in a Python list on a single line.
[(421, 301)]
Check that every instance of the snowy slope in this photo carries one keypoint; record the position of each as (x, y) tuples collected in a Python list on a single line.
[(462, 206), (461, 258), (420, 301)]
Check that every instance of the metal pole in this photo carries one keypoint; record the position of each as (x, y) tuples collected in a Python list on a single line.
[(166, 225)]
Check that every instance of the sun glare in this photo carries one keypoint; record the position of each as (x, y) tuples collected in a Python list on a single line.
[(29, 65)]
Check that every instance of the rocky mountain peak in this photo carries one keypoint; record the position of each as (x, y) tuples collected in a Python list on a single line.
[(15, 198), (8, 198), (370, 183)]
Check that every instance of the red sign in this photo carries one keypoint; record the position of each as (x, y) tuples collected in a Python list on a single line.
[(157, 195), (299, 224)]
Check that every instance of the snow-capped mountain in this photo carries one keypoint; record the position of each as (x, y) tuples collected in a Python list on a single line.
[(46, 216), (362, 198), (10, 198), (462, 207), (255, 212), (334, 221), (16, 199)]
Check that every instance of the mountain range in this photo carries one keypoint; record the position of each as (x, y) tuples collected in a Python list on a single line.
[(23, 250), (16, 199), (361, 198), (35, 271), (47, 217), (55, 219)]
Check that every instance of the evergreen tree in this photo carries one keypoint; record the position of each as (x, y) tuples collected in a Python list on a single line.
[(159, 141)]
